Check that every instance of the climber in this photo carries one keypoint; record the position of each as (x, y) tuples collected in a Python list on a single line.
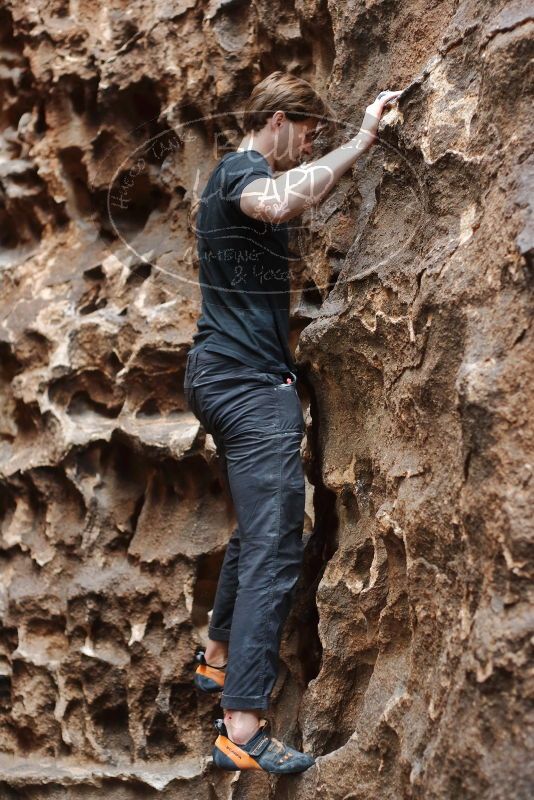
[(240, 382)]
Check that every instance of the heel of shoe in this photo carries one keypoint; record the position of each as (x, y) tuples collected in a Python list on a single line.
[(206, 685), (222, 761), (206, 678)]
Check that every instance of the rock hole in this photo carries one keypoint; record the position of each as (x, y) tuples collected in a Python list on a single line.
[(208, 569), (149, 408), (82, 403), (139, 273)]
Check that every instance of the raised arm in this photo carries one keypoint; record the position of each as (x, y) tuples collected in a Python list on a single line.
[(280, 199)]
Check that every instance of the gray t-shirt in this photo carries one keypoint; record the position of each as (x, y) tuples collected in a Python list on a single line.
[(244, 274)]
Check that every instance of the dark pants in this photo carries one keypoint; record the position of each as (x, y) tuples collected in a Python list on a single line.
[(257, 425)]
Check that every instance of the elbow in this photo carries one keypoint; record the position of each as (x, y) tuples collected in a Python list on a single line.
[(274, 214), (261, 210), (286, 216), (283, 212), (282, 216), (290, 212)]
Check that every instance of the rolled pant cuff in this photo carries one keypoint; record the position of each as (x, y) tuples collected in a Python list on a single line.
[(219, 634), (240, 702)]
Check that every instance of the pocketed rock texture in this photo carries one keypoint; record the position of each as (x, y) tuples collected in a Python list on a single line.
[(404, 660)]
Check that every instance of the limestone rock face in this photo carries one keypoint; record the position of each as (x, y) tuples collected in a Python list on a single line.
[(404, 660)]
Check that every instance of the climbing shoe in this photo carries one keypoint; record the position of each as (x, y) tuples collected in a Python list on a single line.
[(261, 752), (208, 678)]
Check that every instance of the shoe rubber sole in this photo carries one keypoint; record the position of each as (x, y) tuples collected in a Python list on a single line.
[(229, 756)]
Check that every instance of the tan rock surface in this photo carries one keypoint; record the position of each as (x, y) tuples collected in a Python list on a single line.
[(405, 659)]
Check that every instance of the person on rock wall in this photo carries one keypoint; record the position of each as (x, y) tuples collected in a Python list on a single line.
[(240, 382)]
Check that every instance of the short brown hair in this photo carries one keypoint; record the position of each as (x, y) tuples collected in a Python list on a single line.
[(291, 94)]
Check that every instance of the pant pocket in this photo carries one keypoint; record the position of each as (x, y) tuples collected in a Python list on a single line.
[(189, 397), (290, 409), (197, 404), (189, 365)]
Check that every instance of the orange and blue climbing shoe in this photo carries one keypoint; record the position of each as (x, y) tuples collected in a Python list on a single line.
[(261, 752), (208, 678)]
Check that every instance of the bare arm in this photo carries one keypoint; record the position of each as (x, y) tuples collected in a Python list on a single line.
[(280, 199)]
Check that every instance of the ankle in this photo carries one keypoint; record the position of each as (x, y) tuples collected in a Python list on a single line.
[(216, 653), (241, 725)]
